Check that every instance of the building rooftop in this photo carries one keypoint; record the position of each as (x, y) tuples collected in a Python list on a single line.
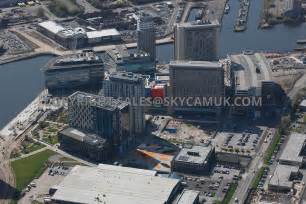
[(102, 33), (126, 76), (52, 26), (67, 31), (83, 136), (293, 148), (194, 154), (303, 103), (196, 64), (114, 184), (99, 101), (187, 197), (79, 60), (282, 174), (247, 78), (120, 54), (200, 24)]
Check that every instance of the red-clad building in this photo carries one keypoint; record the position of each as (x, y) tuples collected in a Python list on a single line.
[(158, 90)]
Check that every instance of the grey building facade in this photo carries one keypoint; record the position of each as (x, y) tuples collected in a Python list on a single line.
[(71, 73), (194, 159), (85, 144), (106, 117), (129, 87), (146, 35), (197, 41), (196, 79)]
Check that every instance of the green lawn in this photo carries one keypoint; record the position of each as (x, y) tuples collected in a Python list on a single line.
[(28, 168), (33, 147), (230, 193), (272, 147), (52, 139), (256, 180)]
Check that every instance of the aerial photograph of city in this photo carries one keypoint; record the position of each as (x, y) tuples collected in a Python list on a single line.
[(153, 101)]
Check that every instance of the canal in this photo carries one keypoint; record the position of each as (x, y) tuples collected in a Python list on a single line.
[(21, 81)]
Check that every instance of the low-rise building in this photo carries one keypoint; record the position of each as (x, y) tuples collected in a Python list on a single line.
[(77, 37), (302, 105), (85, 144), (188, 197), (294, 151), (194, 159), (101, 36), (115, 184), (283, 178)]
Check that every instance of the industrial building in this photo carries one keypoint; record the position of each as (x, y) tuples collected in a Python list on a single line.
[(197, 79), (107, 117), (85, 144), (294, 151), (146, 35), (194, 159), (74, 72), (131, 88), (115, 184), (283, 178), (196, 41), (123, 60), (79, 37)]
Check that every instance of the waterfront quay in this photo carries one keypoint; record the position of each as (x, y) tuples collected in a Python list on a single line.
[(243, 13)]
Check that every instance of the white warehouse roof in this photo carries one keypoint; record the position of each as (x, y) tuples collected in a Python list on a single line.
[(51, 26), (114, 184), (102, 33)]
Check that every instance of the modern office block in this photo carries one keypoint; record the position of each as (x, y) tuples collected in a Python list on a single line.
[(77, 72), (106, 117), (130, 87), (197, 41), (146, 35), (196, 80)]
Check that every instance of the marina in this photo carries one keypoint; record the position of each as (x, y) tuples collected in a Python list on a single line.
[(21, 82)]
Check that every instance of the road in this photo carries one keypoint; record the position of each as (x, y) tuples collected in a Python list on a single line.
[(257, 162), (246, 181)]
